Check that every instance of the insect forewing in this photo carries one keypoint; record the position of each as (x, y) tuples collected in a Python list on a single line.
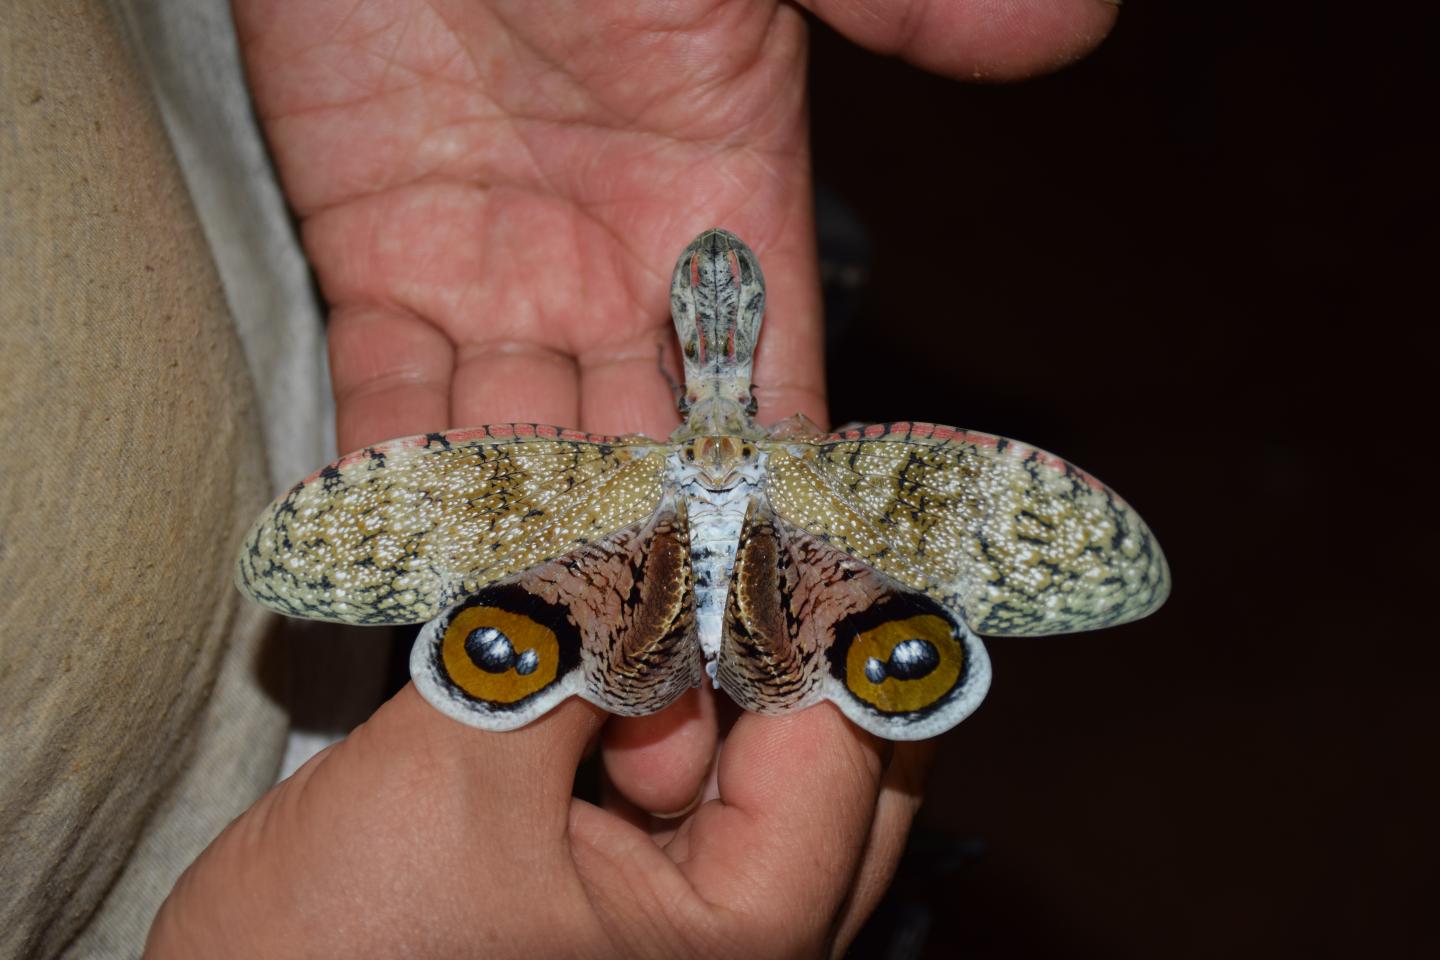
[(1020, 541), (398, 532)]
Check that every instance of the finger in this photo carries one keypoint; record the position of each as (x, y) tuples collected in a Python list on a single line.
[(901, 793), (790, 356), (623, 386), (415, 768), (782, 843), (976, 39), (391, 373), (396, 375), (414, 805), (505, 762), (417, 254), (660, 763), (503, 381)]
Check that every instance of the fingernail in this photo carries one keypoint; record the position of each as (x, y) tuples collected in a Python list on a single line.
[(686, 810)]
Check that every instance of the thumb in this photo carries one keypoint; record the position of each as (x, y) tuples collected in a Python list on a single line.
[(783, 843), (410, 818)]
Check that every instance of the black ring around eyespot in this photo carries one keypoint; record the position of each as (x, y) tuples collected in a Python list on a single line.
[(512, 600), (868, 683)]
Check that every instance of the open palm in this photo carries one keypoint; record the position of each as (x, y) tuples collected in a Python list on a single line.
[(492, 196)]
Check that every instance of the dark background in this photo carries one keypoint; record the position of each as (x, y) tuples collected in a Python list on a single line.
[(1193, 264)]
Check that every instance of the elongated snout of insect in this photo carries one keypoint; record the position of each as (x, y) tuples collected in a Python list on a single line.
[(717, 299)]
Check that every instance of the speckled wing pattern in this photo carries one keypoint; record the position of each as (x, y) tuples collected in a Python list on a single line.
[(399, 532), (1018, 540)]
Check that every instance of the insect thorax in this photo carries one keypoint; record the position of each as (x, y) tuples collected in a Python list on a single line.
[(716, 479)]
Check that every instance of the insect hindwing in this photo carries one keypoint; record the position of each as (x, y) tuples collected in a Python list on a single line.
[(805, 622), (611, 622)]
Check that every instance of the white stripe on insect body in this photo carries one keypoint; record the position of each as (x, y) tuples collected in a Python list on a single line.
[(718, 478)]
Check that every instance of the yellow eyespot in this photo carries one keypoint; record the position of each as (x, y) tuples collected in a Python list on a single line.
[(499, 656), (902, 666)]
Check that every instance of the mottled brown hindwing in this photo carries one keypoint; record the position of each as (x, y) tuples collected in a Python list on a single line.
[(611, 622), (771, 659), (805, 622)]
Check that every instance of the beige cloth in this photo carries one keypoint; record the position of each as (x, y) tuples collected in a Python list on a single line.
[(137, 713)]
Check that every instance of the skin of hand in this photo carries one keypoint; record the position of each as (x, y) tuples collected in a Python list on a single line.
[(492, 196)]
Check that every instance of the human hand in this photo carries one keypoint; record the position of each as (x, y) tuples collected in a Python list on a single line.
[(492, 198)]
